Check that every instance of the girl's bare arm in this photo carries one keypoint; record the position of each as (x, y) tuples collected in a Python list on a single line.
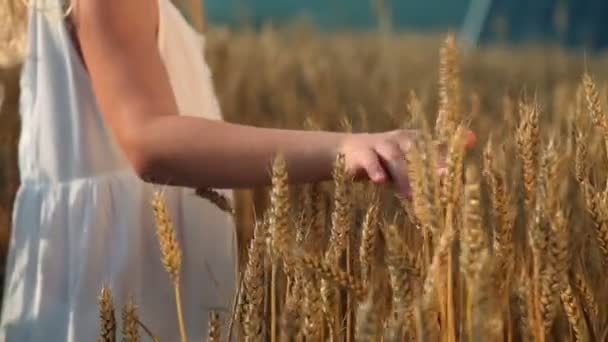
[(119, 47)]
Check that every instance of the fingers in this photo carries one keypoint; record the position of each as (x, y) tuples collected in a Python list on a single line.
[(387, 159), (393, 158), (368, 161)]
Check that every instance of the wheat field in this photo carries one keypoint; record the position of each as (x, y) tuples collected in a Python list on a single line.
[(510, 244)]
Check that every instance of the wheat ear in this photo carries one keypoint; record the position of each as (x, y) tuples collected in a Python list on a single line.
[(330, 273), (452, 193), (213, 331), (312, 325), (368, 241), (449, 89), (368, 323), (422, 205), (574, 314), (130, 327), (502, 208), (587, 295), (474, 251), (253, 285), (106, 315), (555, 258), (219, 200), (278, 221), (313, 308), (340, 227), (404, 278), (432, 288), (171, 253), (488, 324), (528, 140)]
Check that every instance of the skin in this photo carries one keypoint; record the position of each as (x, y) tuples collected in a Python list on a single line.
[(119, 48)]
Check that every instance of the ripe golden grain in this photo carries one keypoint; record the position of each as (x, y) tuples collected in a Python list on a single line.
[(213, 331), (218, 199), (253, 285), (107, 316), (369, 235), (130, 325), (171, 253)]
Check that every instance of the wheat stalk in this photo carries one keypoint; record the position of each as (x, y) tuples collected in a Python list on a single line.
[(171, 253)]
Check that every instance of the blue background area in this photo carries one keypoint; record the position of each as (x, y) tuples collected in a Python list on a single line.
[(339, 14), (526, 19)]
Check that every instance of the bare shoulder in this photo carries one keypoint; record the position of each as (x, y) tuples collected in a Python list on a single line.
[(123, 20), (118, 43)]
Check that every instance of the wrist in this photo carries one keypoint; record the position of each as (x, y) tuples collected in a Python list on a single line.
[(349, 145), (343, 140)]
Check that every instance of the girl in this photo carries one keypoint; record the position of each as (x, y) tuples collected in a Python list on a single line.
[(116, 98)]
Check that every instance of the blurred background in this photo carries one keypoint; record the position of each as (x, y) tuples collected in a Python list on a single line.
[(572, 23), (355, 64)]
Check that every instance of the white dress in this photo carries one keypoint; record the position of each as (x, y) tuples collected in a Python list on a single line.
[(83, 218)]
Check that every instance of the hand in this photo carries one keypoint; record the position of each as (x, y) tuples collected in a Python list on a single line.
[(381, 157)]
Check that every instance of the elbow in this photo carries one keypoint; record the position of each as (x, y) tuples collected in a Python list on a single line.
[(142, 158), (144, 166)]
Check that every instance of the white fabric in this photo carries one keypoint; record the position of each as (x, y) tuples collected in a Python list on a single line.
[(82, 218)]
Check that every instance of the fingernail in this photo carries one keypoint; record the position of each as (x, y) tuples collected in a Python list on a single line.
[(471, 139), (378, 177)]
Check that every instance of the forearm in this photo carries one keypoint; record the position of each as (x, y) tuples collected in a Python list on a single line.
[(195, 152)]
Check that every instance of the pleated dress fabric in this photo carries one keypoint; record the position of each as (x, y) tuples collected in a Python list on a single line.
[(83, 218)]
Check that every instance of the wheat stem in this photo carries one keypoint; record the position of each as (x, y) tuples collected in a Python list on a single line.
[(147, 331), (180, 315)]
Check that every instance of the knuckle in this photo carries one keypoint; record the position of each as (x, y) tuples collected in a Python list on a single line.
[(406, 137)]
